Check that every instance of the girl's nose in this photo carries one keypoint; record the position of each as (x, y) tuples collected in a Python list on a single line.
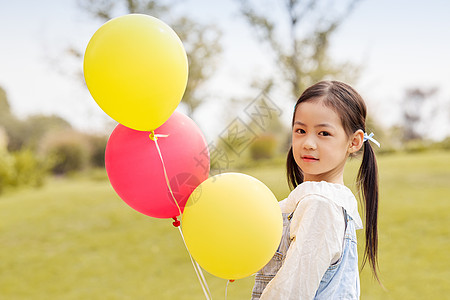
[(309, 144)]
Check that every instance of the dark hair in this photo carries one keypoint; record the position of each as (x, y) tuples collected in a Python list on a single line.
[(350, 107)]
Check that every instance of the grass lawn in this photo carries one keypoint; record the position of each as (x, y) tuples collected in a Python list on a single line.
[(75, 239)]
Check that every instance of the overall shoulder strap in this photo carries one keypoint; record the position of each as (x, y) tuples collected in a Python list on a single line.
[(292, 213), (345, 217)]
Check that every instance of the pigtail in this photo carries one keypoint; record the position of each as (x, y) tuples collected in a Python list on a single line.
[(367, 182), (293, 172)]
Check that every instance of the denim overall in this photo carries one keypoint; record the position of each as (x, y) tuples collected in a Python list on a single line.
[(340, 281), (268, 271)]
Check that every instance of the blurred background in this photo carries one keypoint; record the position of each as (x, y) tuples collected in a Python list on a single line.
[(65, 234)]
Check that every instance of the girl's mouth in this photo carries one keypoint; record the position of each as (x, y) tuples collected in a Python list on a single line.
[(309, 158)]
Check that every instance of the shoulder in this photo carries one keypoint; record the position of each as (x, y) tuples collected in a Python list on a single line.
[(314, 204), (322, 188), (337, 194), (318, 205), (318, 217), (321, 192)]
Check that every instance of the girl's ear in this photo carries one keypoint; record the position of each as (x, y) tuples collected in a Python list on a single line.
[(356, 141)]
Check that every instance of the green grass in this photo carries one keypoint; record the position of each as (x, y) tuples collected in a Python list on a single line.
[(75, 239), (414, 228)]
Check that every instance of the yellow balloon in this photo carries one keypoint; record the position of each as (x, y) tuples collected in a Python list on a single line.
[(136, 69), (232, 225)]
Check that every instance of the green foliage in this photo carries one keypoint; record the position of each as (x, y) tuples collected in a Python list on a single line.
[(264, 147), (6, 170), (97, 146), (5, 109), (444, 145), (29, 169), (385, 150), (202, 44), (241, 145), (11, 125), (15, 130), (414, 114), (37, 126), (66, 151), (3, 140), (223, 157), (417, 145), (67, 157), (26, 133), (22, 142), (303, 58), (21, 168)]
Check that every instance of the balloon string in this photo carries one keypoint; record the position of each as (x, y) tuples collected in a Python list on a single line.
[(198, 271), (226, 288), (201, 278), (154, 137)]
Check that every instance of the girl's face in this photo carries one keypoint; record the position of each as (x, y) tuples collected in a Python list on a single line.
[(320, 144)]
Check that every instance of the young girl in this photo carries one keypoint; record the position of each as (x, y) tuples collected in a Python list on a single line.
[(317, 257)]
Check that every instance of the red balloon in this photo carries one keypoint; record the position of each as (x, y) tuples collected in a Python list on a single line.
[(136, 172)]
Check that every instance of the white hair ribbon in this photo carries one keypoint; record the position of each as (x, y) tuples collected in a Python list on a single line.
[(370, 138)]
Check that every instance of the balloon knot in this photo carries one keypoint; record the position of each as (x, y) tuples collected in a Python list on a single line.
[(231, 280), (152, 136), (176, 222)]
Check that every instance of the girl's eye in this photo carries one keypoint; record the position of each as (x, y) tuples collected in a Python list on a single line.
[(300, 131), (324, 133)]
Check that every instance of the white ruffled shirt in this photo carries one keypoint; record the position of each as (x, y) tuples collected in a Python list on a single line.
[(317, 233)]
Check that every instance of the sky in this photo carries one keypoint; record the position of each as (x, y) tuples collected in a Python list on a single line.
[(402, 44)]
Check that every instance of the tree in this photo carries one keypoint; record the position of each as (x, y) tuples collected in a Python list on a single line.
[(37, 126), (303, 58), (28, 132), (414, 112), (65, 151), (4, 104), (9, 123), (200, 41)]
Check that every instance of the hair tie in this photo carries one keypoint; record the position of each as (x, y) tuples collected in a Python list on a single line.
[(370, 138)]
